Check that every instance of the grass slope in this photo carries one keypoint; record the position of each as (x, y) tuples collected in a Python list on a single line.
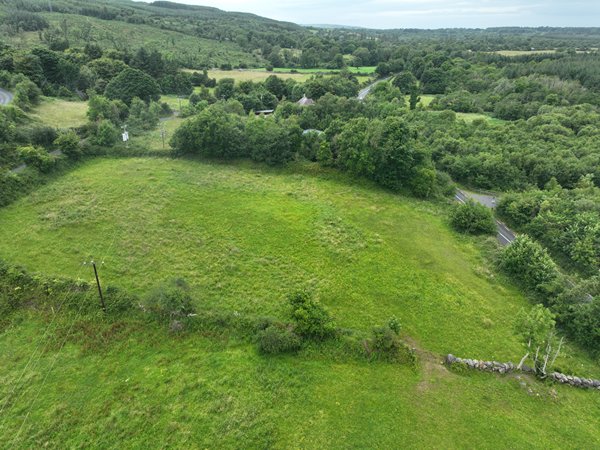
[(190, 51), (61, 113), (244, 236)]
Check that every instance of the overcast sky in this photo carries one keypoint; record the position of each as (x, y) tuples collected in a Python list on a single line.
[(420, 13)]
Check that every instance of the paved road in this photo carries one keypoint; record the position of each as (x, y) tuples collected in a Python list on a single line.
[(364, 92), (505, 235), (5, 97)]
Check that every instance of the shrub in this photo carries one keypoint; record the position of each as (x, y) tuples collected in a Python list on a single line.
[(37, 157), (107, 134), (385, 344), (309, 316), (394, 325), (170, 301), (530, 263), (40, 135), (278, 338), (271, 141), (117, 301), (472, 218), (68, 143), (27, 94), (212, 133)]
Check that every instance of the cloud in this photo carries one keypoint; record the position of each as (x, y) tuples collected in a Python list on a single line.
[(420, 13)]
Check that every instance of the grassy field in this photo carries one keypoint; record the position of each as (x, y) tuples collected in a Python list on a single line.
[(257, 75), (61, 113), (523, 52), (470, 117), (425, 99), (244, 236), (364, 69), (153, 140)]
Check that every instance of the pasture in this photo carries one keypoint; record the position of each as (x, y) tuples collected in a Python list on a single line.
[(59, 113), (243, 236)]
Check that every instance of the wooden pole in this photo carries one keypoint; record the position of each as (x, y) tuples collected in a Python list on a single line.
[(99, 288)]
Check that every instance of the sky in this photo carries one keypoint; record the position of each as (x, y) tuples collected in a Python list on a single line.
[(420, 13)]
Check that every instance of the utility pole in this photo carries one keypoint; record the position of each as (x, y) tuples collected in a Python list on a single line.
[(102, 304), (50, 5), (163, 133)]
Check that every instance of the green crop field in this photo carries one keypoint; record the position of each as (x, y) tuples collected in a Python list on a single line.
[(244, 236)]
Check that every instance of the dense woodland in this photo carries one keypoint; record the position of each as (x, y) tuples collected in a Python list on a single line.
[(527, 125)]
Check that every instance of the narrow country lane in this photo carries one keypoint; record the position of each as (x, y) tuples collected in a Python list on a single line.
[(5, 97)]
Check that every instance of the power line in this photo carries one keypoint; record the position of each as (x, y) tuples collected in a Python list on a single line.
[(78, 315)]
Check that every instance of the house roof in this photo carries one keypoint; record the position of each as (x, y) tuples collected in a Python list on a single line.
[(305, 101)]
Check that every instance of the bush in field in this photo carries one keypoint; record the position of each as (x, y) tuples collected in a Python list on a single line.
[(170, 301), (472, 218), (100, 107), (309, 316), (37, 157), (107, 134), (212, 133), (143, 116), (272, 141), (131, 83), (386, 342), (68, 143), (530, 263), (278, 338)]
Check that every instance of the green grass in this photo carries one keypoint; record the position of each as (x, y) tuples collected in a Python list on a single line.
[(147, 388), (153, 140), (470, 117), (523, 52), (425, 100), (244, 236), (258, 75), (255, 75), (61, 113), (364, 69)]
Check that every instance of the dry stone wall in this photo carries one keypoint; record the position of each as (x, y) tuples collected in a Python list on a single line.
[(498, 367)]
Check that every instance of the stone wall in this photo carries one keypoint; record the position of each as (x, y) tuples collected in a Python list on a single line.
[(498, 367)]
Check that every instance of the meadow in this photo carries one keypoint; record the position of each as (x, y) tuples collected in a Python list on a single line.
[(244, 236), (60, 113), (257, 75), (523, 52)]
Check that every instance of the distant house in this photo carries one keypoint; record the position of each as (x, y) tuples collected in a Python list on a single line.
[(264, 112), (305, 101)]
